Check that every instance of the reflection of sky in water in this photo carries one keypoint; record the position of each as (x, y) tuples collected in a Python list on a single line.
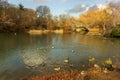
[(25, 52)]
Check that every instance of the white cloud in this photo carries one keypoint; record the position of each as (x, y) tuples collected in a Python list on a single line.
[(77, 9), (93, 7), (82, 8), (101, 6), (113, 1)]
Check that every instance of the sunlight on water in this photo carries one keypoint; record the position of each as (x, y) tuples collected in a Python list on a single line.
[(41, 54), (33, 57)]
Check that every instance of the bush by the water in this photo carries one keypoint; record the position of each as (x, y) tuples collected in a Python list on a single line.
[(115, 32)]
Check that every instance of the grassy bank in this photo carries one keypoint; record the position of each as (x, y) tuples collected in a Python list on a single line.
[(32, 32)]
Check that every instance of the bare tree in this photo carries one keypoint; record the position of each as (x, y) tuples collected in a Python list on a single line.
[(43, 11)]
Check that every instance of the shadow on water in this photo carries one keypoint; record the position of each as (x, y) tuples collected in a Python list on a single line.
[(24, 55)]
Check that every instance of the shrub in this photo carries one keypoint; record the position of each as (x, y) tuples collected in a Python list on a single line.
[(115, 32)]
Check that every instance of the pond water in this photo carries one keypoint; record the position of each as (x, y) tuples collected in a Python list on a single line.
[(24, 55)]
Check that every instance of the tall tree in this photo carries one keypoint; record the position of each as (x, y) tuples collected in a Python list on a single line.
[(115, 11), (55, 22), (43, 11), (44, 16), (21, 7)]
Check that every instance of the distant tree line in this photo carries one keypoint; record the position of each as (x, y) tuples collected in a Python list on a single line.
[(14, 18), (17, 18), (20, 19)]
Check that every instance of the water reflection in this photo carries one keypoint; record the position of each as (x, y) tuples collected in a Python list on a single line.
[(101, 45), (34, 57), (21, 50), (35, 50)]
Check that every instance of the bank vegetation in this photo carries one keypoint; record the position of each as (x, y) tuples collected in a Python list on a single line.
[(17, 18)]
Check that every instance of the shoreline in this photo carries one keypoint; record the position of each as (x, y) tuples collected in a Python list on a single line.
[(32, 32), (93, 73)]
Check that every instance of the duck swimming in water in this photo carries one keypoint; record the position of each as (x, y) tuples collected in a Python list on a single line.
[(66, 60), (53, 47), (57, 68)]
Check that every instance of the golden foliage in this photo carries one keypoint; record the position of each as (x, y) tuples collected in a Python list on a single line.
[(95, 18)]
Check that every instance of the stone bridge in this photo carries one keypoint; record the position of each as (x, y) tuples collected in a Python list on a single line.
[(87, 29)]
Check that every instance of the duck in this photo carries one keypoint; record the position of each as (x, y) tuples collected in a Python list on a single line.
[(105, 71), (83, 72), (53, 47), (91, 59), (83, 65), (73, 51), (96, 66), (15, 34), (57, 68), (71, 65), (66, 60)]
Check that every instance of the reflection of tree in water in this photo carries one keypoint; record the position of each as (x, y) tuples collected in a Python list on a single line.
[(8, 45), (66, 38), (8, 41), (35, 40)]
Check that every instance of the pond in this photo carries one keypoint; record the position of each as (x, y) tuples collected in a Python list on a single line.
[(23, 55)]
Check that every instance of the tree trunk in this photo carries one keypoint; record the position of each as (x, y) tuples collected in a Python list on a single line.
[(104, 29)]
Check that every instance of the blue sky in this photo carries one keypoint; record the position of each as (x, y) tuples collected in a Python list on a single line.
[(72, 7)]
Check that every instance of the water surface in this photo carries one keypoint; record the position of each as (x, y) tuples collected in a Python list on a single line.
[(24, 55)]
